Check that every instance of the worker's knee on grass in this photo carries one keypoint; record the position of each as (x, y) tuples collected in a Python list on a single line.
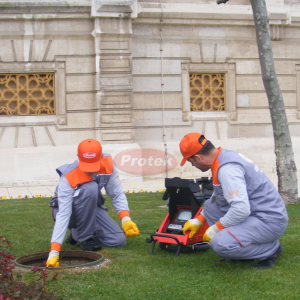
[(118, 240)]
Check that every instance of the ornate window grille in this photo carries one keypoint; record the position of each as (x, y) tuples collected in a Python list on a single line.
[(27, 94), (207, 92)]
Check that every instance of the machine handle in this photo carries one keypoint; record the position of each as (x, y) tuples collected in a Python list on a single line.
[(151, 239)]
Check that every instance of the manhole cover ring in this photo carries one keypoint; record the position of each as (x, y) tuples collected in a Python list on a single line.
[(27, 261)]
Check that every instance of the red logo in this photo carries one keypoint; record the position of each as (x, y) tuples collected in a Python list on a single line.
[(89, 155), (145, 161)]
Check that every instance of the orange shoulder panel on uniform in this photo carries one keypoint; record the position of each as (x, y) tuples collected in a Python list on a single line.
[(215, 167), (107, 165), (76, 177)]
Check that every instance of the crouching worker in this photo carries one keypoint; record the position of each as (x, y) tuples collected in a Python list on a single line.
[(79, 204), (245, 213)]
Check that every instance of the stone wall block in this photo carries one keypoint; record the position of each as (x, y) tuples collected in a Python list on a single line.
[(11, 27), (155, 118), (143, 30), (253, 67), (80, 101), (169, 30), (115, 81), (211, 129), (243, 100), (115, 99), (73, 137), (261, 99), (220, 52), (83, 64), (6, 55), (242, 49), (153, 134), (114, 45), (246, 131), (248, 67), (80, 83), (117, 136), (82, 45), (25, 137), (40, 48), (154, 100), (112, 64), (81, 120), (43, 136), (146, 48), (154, 84), (117, 26), (262, 116), (119, 64), (176, 49), (255, 83), (19, 50), (8, 138), (208, 52), (67, 27), (155, 66), (284, 50), (254, 116), (115, 118)]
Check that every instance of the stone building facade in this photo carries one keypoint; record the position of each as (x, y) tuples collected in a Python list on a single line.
[(122, 75)]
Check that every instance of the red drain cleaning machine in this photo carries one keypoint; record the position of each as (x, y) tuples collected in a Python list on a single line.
[(185, 198)]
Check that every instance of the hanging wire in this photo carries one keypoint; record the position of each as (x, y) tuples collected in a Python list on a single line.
[(162, 89)]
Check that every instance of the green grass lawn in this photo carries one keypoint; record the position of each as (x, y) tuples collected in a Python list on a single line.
[(135, 274)]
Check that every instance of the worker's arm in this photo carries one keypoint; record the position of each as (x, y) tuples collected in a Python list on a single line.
[(115, 191), (232, 179), (65, 197)]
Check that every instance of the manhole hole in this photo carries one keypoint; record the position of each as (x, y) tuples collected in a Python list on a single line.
[(68, 259)]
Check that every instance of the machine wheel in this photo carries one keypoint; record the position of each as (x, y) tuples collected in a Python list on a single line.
[(202, 246)]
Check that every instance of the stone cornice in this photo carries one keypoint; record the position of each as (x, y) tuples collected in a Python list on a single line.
[(44, 3), (150, 12), (40, 10), (193, 13)]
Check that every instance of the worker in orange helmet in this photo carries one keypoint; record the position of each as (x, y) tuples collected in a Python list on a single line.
[(245, 213), (79, 204)]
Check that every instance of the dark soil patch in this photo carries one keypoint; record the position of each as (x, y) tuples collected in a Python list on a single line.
[(31, 292)]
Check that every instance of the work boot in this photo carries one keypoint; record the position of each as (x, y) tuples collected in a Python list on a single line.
[(89, 245), (229, 260), (270, 261), (70, 240)]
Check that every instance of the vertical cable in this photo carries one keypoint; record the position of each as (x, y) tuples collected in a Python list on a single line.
[(162, 89)]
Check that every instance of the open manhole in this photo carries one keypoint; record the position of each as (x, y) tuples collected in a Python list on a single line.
[(68, 259)]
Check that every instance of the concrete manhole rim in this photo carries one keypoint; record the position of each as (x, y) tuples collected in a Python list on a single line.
[(98, 258)]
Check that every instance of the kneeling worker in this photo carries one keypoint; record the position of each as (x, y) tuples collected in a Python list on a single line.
[(245, 213), (79, 204)]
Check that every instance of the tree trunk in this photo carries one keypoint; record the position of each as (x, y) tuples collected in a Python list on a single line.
[(285, 163)]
